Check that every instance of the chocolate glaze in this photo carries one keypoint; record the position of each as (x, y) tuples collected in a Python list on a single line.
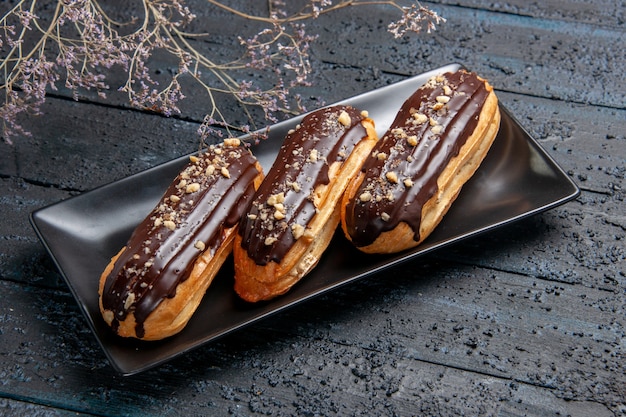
[(295, 174), (417, 151), (157, 258)]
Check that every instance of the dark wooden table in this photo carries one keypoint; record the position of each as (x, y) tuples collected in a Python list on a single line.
[(526, 320)]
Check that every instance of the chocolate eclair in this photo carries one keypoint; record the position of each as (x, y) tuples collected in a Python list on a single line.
[(295, 211), (151, 288), (436, 142)]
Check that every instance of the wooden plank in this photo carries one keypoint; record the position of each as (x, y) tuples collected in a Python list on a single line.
[(598, 12), (8, 162), (533, 56), (78, 147), (581, 243), (589, 142), (542, 333), (438, 328), (22, 257), (372, 345), (13, 407)]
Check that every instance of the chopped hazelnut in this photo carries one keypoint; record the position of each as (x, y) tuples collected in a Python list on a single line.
[(294, 186), (408, 182), (399, 132), (174, 198), (443, 99), (169, 224), (276, 198), (224, 172), (412, 140), (194, 159), (270, 240), (344, 119), (192, 188), (130, 299), (392, 177), (420, 118), (234, 142), (199, 245), (436, 129), (297, 230), (385, 217), (365, 197), (108, 316)]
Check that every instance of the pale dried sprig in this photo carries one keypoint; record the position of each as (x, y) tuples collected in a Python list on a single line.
[(80, 42), (415, 19), (79, 39)]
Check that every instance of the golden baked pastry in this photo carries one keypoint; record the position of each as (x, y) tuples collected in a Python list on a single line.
[(438, 139), (151, 288), (295, 212)]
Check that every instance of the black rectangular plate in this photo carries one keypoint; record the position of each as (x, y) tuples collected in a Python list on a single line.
[(517, 179)]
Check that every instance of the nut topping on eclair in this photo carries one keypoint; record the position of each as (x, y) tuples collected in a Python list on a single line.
[(416, 160), (296, 210), (207, 198), (287, 201)]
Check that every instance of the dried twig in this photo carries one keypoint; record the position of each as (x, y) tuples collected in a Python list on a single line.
[(80, 42)]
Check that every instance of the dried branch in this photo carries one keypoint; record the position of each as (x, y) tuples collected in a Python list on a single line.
[(80, 42)]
